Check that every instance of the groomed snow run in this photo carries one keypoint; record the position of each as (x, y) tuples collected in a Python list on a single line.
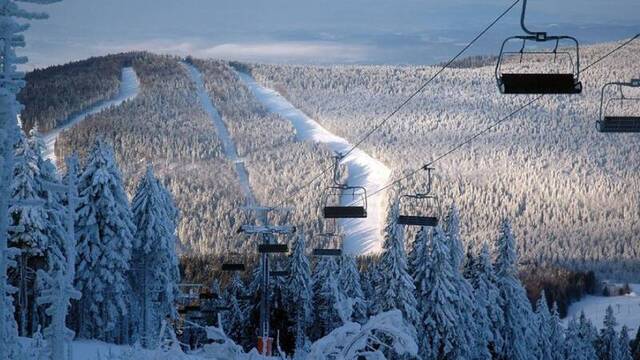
[(229, 147), (129, 88), (362, 236), (626, 309)]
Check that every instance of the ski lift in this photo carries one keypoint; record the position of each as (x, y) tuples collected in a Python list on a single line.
[(272, 248), (208, 296), (565, 81), (338, 194), (279, 273), (233, 263), (619, 122), (327, 252), (422, 209)]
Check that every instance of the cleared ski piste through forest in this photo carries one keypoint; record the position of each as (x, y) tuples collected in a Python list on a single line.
[(129, 89), (362, 236), (229, 147)]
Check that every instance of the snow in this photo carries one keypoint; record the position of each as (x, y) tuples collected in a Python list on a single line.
[(228, 145), (626, 309), (362, 236), (129, 88)]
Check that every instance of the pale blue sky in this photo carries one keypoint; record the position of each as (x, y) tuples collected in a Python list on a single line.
[(321, 31)]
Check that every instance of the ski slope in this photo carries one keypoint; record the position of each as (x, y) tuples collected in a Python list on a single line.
[(129, 89), (362, 236), (228, 145), (626, 309)]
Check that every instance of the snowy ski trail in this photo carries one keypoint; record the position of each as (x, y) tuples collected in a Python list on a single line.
[(228, 145), (129, 89), (362, 236)]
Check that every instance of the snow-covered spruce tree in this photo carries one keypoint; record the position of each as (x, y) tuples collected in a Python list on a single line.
[(324, 279), (11, 82), (29, 218), (635, 346), (588, 332), (443, 325), (349, 281), (608, 343), (625, 349), (57, 289), (395, 288), (488, 310), (104, 241), (556, 334), (372, 278), (518, 330), (154, 275), (300, 293), (466, 302), (236, 320), (543, 320), (575, 346)]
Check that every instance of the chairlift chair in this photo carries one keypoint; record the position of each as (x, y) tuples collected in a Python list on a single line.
[(279, 273), (610, 121), (273, 248), (233, 263), (327, 252), (422, 209), (567, 82), (338, 194)]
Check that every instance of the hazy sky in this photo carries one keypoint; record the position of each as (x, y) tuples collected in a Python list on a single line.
[(306, 31)]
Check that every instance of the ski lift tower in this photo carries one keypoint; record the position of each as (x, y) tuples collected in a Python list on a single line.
[(268, 233)]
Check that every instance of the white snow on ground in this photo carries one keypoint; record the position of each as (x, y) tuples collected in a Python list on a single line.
[(625, 308), (129, 88), (361, 235), (228, 145)]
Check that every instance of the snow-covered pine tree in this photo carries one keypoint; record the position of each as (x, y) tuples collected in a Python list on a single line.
[(11, 82), (155, 274), (588, 332), (442, 322), (466, 302), (518, 334), (395, 288), (349, 281), (324, 279), (300, 293), (29, 218), (236, 320), (608, 343), (625, 349), (556, 335), (372, 278), (575, 346), (489, 316), (104, 240), (635, 346), (543, 317), (57, 289)]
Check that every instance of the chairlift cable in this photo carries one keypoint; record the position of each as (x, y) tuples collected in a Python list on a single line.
[(492, 126), (405, 102)]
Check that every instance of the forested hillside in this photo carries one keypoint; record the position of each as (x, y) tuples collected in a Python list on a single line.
[(69, 88), (571, 191)]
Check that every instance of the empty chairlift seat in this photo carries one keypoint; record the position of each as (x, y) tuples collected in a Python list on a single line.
[(420, 209), (560, 74), (513, 83), (272, 248), (327, 252), (619, 113)]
